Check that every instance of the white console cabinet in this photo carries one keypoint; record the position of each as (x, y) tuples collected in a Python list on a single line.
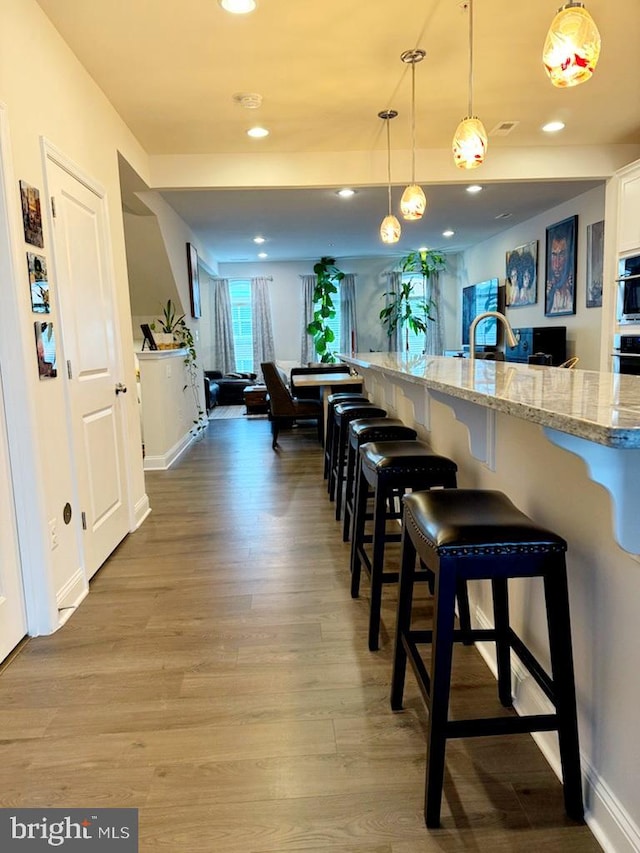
[(167, 408)]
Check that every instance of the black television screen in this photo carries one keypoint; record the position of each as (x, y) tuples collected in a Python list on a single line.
[(476, 299)]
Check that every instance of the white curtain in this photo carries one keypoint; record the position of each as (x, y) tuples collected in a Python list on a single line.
[(263, 346), (307, 350), (434, 343), (224, 356), (394, 280), (348, 327)]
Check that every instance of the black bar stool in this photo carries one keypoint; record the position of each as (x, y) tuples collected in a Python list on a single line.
[(343, 414), (468, 534), (332, 402), (361, 431), (389, 468)]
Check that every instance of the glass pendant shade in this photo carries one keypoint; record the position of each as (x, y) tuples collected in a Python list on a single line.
[(390, 229), (413, 202), (572, 47), (469, 143)]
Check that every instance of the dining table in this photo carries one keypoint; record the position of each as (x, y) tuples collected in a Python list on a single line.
[(327, 382)]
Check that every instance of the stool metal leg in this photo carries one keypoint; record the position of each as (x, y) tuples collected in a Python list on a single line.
[(557, 598), (442, 651)]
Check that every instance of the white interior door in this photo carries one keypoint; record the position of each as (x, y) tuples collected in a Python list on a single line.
[(86, 298), (13, 623)]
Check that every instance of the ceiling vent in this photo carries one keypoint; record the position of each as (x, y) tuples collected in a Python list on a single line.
[(504, 128), (248, 100)]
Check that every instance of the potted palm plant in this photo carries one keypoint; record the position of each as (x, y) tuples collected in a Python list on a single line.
[(401, 309)]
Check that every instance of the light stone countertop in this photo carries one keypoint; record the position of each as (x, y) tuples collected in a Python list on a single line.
[(599, 407)]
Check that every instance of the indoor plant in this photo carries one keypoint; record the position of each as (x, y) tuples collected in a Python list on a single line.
[(328, 278), (168, 325), (400, 311), (174, 324)]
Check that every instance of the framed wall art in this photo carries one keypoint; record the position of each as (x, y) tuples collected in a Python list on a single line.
[(194, 280), (38, 283), (46, 350), (31, 215), (522, 275), (561, 260), (595, 254)]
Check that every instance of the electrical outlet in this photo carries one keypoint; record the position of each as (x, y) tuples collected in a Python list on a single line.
[(53, 534)]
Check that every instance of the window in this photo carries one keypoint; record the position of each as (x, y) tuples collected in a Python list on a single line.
[(242, 325), (334, 323), (416, 341)]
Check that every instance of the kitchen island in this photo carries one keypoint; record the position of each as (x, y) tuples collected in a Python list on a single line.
[(551, 439)]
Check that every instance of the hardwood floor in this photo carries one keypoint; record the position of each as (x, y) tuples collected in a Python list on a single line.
[(217, 677)]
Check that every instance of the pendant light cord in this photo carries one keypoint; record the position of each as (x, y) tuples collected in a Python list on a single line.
[(413, 122), (470, 58), (389, 164)]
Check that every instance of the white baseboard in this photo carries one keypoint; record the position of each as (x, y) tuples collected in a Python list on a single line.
[(141, 511), (611, 824), (164, 461), (70, 595)]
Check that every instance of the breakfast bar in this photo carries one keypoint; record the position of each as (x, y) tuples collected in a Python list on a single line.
[(551, 439)]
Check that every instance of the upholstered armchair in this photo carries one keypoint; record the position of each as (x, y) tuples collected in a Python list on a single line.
[(284, 408)]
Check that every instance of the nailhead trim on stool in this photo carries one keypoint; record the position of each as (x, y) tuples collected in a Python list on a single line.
[(469, 534), (389, 468), (361, 431)]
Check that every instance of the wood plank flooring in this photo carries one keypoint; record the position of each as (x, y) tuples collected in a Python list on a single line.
[(217, 677)]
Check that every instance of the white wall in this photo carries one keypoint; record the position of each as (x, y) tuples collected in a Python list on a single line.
[(55, 98), (286, 300), (488, 259)]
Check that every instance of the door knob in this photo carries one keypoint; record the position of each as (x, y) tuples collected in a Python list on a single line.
[(120, 388)]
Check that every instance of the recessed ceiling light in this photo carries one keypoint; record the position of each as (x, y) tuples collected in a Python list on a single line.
[(448, 233), (474, 188), (238, 7), (259, 240), (553, 126), (262, 255), (346, 192), (257, 132)]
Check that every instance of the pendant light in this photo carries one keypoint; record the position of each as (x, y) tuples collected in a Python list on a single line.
[(572, 46), (470, 139), (390, 229), (413, 202)]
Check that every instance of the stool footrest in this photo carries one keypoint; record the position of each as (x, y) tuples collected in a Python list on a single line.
[(485, 726), (532, 664)]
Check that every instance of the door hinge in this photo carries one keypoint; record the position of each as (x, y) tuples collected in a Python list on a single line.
[(69, 370), (53, 207), (84, 520)]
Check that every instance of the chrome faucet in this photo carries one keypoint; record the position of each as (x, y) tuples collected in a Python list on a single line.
[(472, 330)]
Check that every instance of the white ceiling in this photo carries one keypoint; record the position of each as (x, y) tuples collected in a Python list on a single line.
[(325, 70)]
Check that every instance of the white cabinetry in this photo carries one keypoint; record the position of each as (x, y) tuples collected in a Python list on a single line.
[(622, 240), (629, 212), (167, 411)]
